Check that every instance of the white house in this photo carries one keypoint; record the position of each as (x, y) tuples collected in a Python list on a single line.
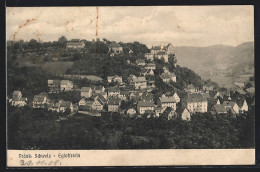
[(195, 102), (115, 48), (66, 85), (244, 107), (140, 62), (139, 82), (131, 112), (86, 92), (167, 101), (18, 100), (176, 97), (167, 77), (114, 78), (145, 106), (39, 101), (150, 66), (185, 115)]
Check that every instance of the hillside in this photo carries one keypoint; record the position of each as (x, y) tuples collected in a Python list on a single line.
[(220, 57)]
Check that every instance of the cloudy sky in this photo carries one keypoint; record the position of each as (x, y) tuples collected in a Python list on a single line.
[(179, 25)]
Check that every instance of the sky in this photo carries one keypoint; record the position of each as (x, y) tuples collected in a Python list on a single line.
[(151, 25)]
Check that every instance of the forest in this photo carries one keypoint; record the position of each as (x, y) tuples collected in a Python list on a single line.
[(39, 129)]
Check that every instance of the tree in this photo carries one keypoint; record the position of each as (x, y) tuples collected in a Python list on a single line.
[(62, 41), (33, 44)]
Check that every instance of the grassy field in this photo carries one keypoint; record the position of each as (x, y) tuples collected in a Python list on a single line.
[(225, 81), (54, 67)]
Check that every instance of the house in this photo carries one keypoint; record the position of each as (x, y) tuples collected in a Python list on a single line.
[(166, 48), (147, 72), (130, 78), (115, 48), (218, 109), (99, 89), (231, 105), (158, 111), (190, 88), (140, 62), (54, 86), (218, 94), (195, 102), (82, 102), (207, 88), (113, 104), (123, 95), (18, 99), (150, 66), (176, 97), (113, 91), (130, 51), (243, 107), (75, 44), (147, 97), (145, 107), (206, 95), (85, 105), (103, 94), (86, 92), (167, 77), (40, 100), (166, 101), (66, 85), (114, 78), (162, 55), (184, 113), (166, 70), (64, 105), (170, 113), (131, 112), (149, 56), (97, 104), (139, 82)]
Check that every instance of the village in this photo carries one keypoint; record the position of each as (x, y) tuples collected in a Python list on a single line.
[(134, 96)]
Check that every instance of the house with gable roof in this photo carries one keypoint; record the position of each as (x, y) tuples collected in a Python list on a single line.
[(40, 100), (66, 85), (54, 86), (113, 91), (115, 48), (113, 104), (86, 92), (195, 102), (167, 101), (18, 100)]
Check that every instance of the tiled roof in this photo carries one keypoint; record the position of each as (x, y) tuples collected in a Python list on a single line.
[(16, 93), (229, 103), (139, 79), (167, 100), (85, 89), (65, 104), (145, 104), (195, 97), (113, 89), (113, 101), (65, 82), (140, 61), (115, 45), (38, 98), (220, 108)]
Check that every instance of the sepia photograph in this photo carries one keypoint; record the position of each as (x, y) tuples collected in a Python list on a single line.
[(130, 78)]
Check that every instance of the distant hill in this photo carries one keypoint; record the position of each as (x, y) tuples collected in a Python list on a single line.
[(216, 57)]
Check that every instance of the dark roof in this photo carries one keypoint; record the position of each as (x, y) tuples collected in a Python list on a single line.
[(113, 101), (115, 45), (38, 98), (229, 103), (161, 53), (219, 108), (195, 97), (65, 104), (113, 89)]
